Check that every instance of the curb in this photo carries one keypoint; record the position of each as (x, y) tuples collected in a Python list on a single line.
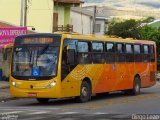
[(6, 87), (7, 99)]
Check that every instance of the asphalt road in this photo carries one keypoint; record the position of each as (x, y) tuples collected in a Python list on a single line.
[(113, 106)]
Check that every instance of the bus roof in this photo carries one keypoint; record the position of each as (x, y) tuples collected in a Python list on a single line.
[(91, 37), (107, 38)]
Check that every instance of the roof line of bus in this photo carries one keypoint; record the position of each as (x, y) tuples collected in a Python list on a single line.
[(91, 37)]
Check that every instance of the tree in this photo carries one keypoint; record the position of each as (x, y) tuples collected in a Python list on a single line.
[(128, 28), (134, 29)]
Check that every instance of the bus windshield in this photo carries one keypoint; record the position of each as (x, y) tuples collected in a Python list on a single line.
[(35, 61)]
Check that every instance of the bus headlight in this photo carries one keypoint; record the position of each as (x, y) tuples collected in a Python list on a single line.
[(52, 84), (14, 84)]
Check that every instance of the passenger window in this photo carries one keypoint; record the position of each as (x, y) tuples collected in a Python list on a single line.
[(129, 49), (146, 56), (146, 50), (120, 57), (84, 56), (83, 47), (137, 53), (97, 47), (129, 53), (152, 53), (110, 47), (110, 52), (98, 55), (137, 49)]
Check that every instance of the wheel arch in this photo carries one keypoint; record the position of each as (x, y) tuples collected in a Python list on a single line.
[(88, 80), (137, 75)]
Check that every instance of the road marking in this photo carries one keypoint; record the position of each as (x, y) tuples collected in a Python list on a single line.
[(67, 113), (35, 118), (100, 113), (39, 112), (15, 112)]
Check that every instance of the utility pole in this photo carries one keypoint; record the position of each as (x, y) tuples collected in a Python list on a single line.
[(22, 13), (94, 19), (23, 21), (25, 13)]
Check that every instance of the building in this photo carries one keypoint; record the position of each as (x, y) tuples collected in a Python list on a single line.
[(82, 21), (43, 15)]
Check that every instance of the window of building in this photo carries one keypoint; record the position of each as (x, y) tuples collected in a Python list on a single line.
[(98, 55), (98, 28)]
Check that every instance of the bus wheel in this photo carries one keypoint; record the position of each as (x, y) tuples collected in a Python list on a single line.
[(43, 100), (85, 92), (136, 86)]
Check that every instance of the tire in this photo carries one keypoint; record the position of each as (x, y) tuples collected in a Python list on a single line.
[(85, 92), (43, 100), (136, 87)]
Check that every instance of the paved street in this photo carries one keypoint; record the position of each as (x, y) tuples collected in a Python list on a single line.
[(115, 105)]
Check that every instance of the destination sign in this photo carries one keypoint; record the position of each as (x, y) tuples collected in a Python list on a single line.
[(37, 40)]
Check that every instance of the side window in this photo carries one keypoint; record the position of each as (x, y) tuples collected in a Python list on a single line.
[(152, 53), (137, 53), (84, 56), (98, 55), (129, 53), (120, 52), (110, 52), (71, 45), (146, 56)]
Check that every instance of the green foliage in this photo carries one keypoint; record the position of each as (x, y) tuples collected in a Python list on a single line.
[(124, 29), (134, 29), (148, 20)]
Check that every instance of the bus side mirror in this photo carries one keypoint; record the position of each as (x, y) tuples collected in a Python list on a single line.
[(71, 56)]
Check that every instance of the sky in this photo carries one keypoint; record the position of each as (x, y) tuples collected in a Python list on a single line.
[(141, 4)]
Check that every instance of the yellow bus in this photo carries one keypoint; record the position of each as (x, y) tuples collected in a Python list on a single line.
[(64, 65)]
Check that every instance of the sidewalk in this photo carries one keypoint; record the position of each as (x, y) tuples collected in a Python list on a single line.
[(4, 91)]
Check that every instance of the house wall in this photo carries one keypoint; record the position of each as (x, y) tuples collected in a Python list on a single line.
[(10, 11), (67, 15), (60, 10), (102, 29), (40, 15), (81, 23)]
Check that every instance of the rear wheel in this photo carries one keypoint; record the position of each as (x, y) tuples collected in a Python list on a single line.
[(85, 92), (136, 87), (43, 100)]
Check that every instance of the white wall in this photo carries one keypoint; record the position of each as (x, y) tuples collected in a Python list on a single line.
[(102, 30), (81, 22)]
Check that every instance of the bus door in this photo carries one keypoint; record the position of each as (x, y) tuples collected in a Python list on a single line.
[(69, 62)]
